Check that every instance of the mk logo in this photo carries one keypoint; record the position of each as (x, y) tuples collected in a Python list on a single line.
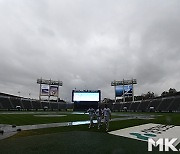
[(162, 143)]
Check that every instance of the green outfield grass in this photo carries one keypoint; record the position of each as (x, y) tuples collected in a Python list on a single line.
[(29, 119), (76, 139)]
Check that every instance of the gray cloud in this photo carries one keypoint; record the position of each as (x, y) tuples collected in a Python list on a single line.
[(88, 44)]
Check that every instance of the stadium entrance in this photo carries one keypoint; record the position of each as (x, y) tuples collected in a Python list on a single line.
[(84, 99)]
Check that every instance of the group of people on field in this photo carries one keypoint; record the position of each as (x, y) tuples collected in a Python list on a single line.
[(100, 114)]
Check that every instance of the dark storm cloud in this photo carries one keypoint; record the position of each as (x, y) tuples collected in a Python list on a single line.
[(88, 44)]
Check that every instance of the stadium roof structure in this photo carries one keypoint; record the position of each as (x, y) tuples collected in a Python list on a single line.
[(124, 82), (49, 82), (8, 95)]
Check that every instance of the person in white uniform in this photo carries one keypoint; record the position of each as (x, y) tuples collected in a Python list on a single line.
[(99, 116), (91, 112), (107, 116)]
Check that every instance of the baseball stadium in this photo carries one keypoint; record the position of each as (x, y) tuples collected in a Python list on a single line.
[(55, 126), (89, 77)]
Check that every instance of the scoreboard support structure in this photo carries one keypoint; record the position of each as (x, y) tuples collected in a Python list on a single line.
[(123, 83), (52, 89)]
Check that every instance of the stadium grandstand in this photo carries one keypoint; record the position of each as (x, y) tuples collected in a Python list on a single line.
[(167, 104), (159, 104), (11, 102)]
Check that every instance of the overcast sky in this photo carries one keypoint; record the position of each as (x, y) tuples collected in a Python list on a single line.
[(89, 43)]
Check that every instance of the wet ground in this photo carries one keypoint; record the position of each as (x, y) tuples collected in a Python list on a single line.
[(9, 130)]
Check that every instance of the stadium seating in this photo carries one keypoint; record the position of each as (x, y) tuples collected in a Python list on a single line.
[(169, 104), (125, 106), (175, 105), (70, 106), (154, 103), (62, 106), (36, 104), (45, 105), (164, 104), (134, 106), (5, 103), (54, 105), (143, 105), (116, 106), (1, 107), (27, 103), (16, 102)]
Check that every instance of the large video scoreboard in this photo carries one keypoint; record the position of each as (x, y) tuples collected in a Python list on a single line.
[(83, 99)]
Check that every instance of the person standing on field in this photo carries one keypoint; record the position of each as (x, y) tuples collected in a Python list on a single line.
[(91, 112), (99, 116), (107, 116)]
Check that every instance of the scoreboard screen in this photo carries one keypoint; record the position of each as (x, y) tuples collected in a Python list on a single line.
[(78, 96), (126, 90)]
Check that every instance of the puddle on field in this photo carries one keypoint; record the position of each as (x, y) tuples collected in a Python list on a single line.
[(53, 115)]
